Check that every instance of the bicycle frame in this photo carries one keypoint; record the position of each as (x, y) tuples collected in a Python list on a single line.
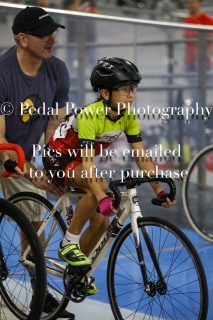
[(141, 252), (130, 210), (64, 204)]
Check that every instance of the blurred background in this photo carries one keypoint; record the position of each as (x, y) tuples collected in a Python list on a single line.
[(154, 36)]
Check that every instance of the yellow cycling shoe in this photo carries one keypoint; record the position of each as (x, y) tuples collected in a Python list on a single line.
[(73, 255), (93, 289)]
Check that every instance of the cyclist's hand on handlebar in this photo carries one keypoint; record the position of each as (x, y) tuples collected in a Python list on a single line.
[(106, 207), (167, 203)]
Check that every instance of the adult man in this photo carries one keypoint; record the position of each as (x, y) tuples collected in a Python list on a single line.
[(196, 16), (34, 88)]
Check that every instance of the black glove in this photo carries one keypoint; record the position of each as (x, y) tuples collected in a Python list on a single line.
[(10, 165)]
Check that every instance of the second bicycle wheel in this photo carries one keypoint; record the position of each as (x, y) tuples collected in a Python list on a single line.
[(15, 286), (197, 193), (186, 294), (53, 234)]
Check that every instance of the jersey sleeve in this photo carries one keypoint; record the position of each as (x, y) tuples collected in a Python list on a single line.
[(132, 131)]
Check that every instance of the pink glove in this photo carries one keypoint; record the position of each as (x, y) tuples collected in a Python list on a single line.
[(163, 195), (106, 205)]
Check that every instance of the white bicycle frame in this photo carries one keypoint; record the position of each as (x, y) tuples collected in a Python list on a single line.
[(130, 209)]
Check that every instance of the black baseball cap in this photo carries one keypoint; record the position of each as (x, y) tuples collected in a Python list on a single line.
[(36, 21)]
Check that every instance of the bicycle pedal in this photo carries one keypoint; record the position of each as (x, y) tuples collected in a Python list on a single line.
[(91, 279), (77, 270)]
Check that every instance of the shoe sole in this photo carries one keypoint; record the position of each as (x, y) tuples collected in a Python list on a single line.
[(91, 293)]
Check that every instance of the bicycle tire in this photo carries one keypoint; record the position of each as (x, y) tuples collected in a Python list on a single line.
[(16, 295), (56, 287), (186, 295), (197, 193)]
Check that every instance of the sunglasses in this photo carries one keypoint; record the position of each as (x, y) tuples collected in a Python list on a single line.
[(127, 90), (44, 38)]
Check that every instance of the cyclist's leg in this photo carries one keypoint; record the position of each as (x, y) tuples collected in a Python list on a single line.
[(98, 225), (90, 237), (69, 249)]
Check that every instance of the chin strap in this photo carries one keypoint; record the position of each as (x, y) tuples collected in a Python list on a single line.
[(109, 105), (113, 109), (107, 102)]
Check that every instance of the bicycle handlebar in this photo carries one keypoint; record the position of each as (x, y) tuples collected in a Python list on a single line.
[(20, 153), (130, 182)]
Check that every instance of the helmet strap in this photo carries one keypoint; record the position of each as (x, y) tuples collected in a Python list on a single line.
[(108, 103), (111, 107)]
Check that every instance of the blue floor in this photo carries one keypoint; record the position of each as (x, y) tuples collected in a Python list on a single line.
[(204, 249)]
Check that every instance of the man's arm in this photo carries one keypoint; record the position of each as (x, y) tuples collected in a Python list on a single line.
[(5, 155), (29, 170), (53, 123), (8, 154)]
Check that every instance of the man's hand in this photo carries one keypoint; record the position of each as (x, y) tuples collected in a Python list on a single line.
[(44, 183), (11, 166)]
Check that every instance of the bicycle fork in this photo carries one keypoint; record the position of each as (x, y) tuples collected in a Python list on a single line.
[(150, 287)]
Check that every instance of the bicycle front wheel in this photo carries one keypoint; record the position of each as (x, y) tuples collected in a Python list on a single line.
[(185, 294), (197, 193), (54, 232), (15, 287)]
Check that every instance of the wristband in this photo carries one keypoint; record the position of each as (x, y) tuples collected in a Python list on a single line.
[(161, 194)]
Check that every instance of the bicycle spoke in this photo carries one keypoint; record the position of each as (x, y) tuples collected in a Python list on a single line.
[(15, 288), (197, 193), (182, 295)]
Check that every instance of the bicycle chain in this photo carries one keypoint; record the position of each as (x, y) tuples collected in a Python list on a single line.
[(76, 283)]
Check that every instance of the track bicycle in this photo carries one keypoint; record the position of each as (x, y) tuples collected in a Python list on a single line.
[(154, 271), (15, 288), (197, 193)]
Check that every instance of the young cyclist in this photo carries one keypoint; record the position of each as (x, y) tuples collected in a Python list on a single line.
[(79, 139)]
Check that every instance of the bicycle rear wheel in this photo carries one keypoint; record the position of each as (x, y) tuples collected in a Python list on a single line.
[(54, 233), (15, 286), (186, 293), (197, 193)]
